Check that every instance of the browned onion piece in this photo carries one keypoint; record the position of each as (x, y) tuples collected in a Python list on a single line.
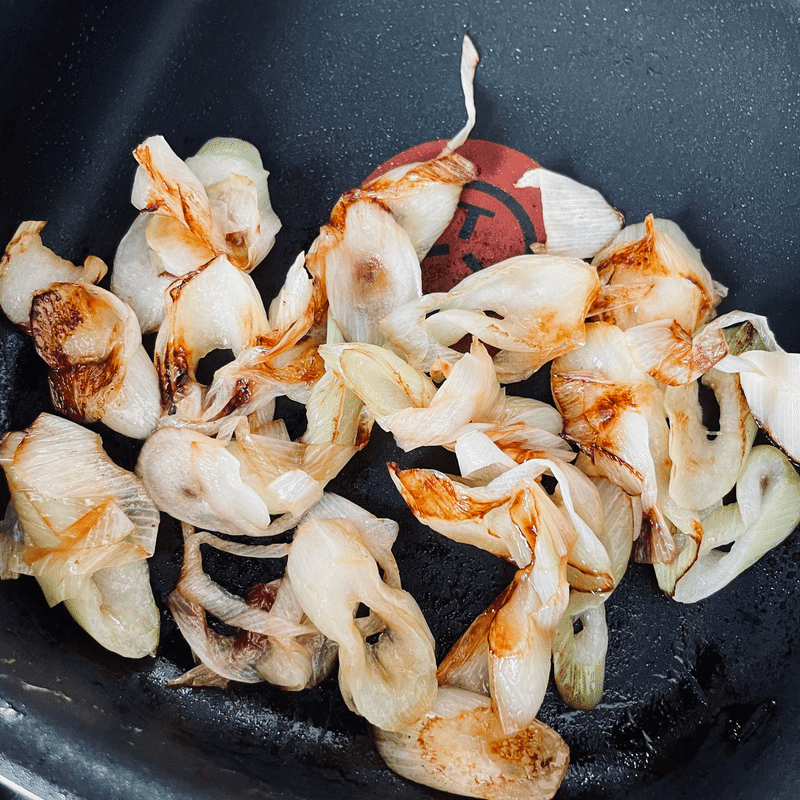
[(99, 370), (460, 747)]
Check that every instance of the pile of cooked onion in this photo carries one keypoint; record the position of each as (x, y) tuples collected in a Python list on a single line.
[(620, 467)]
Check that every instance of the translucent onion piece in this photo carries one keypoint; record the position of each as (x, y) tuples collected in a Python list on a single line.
[(423, 196), (614, 413), (659, 252), (476, 452), (243, 657), (88, 528), (768, 507), (466, 664), (469, 64), (174, 247), (27, 266), (459, 512), (216, 203), (296, 309), (535, 413), (381, 379), (470, 394), (533, 306), (622, 517), (164, 183), (216, 307), (459, 747), (579, 659), (195, 585), (138, 279), (276, 642), (194, 478), (289, 476), (392, 682), (250, 384), (577, 220), (220, 164), (377, 534), (744, 331), (335, 414), (369, 266), (666, 352), (521, 634), (501, 516), (687, 548), (771, 383), (575, 496), (98, 368), (704, 470), (518, 441)]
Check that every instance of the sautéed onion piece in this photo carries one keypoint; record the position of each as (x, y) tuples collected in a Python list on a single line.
[(531, 308), (579, 658), (578, 221), (99, 370), (767, 510), (84, 529), (215, 203), (27, 267), (459, 746), (393, 681), (279, 358), (657, 254), (274, 642), (214, 307)]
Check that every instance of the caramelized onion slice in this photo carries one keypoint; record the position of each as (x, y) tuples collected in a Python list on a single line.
[(531, 306), (705, 469), (460, 747), (368, 266), (666, 352), (99, 370), (521, 635), (658, 252), (196, 479), (216, 307)]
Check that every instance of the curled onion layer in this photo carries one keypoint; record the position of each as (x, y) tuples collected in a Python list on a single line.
[(578, 221), (657, 253), (392, 682), (88, 527), (274, 642), (766, 512)]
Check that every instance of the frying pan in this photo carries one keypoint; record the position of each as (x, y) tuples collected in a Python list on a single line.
[(688, 111)]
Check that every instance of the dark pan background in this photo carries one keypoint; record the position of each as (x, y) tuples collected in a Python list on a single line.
[(686, 110)]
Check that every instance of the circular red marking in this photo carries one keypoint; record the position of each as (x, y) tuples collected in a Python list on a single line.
[(494, 220)]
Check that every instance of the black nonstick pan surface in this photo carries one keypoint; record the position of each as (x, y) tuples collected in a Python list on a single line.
[(688, 111)]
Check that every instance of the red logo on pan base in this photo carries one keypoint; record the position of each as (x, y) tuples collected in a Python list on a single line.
[(494, 220)]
